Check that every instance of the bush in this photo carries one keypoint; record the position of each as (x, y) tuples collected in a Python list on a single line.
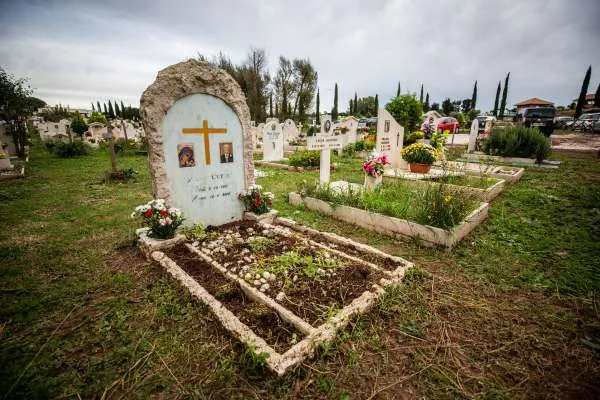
[(68, 149), (518, 141), (419, 153), (349, 150), (406, 109), (305, 159), (412, 137), (122, 145)]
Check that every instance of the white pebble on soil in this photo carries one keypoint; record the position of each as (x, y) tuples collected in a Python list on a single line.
[(280, 296), (263, 280), (248, 277), (265, 286), (257, 276), (256, 283), (266, 275), (196, 243)]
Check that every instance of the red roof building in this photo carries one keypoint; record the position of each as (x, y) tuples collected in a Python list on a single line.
[(533, 102)]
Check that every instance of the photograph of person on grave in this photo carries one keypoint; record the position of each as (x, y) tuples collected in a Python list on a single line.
[(185, 152), (226, 151), (327, 126)]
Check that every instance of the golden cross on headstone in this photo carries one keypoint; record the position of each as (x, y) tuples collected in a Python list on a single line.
[(205, 130)]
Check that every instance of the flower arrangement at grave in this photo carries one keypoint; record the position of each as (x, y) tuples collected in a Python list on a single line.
[(257, 201), (162, 220), (420, 156), (438, 142), (374, 166)]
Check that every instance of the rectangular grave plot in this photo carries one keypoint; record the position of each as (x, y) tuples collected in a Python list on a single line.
[(263, 321), (315, 281)]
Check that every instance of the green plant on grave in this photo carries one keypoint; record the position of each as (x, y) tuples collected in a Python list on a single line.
[(68, 149), (306, 158), (258, 244), (198, 232), (518, 141), (419, 153), (412, 137)]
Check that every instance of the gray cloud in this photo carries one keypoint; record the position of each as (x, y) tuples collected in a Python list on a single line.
[(76, 52)]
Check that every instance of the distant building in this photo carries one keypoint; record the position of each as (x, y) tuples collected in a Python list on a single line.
[(588, 102), (533, 102)]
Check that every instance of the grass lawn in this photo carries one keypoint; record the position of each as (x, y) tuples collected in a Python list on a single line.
[(504, 315)]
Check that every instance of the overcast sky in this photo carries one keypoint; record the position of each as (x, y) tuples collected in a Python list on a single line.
[(75, 52)]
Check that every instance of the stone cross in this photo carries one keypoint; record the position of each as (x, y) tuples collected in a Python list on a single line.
[(198, 170), (473, 135), (390, 139), (324, 144)]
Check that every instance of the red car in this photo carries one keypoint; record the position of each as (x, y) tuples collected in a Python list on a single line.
[(447, 124)]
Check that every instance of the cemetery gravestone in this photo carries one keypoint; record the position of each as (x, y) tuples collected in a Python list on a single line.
[(272, 141), (351, 125), (390, 139), (290, 131), (473, 135), (199, 141), (326, 126), (324, 144)]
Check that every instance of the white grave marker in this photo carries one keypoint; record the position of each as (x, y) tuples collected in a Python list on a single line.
[(390, 139), (200, 144), (473, 135), (324, 144), (272, 141)]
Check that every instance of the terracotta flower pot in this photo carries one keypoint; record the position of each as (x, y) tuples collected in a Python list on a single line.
[(419, 168)]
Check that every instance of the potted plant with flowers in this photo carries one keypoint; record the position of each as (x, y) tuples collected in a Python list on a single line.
[(258, 204), (161, 220), (419, 156), (373, 169)]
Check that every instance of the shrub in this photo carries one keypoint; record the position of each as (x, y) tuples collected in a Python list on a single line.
[(518, 141), (349, 150), (68, 149), (419, 153), (412, 137), (405, 109), (122, 145), (305, 159)]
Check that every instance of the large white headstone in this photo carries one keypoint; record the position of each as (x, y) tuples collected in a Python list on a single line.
[(290, 131), (350, 125), (473, 135), (272, 141), (390, 138), (200, 144)]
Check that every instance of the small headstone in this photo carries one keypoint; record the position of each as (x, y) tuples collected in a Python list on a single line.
[(350, 124), (272, 141), (390, 139), (473, 135), (199, 141), (290, 131)]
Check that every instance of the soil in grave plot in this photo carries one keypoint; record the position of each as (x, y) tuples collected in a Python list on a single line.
[(324, 282), (263, 321)]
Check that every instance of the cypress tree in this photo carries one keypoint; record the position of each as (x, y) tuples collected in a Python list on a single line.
[(497, 100), (376, 104), (123, 114), (334, 110), (421, 95), (271, 106), (355, 103), (111, 111), (351, 108), (117, 110), (277, 110), (474, 96), (284, 101), (318, 114), (597, 97), (426, 105), (504, 95), (398, 90), (93, 109), (105, 110), (584, 89), (98, 108)]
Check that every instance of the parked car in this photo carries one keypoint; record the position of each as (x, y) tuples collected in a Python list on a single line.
[(448, 124), (362, 123), (562, 122), (538, 117), (482, 119), (589, 122)]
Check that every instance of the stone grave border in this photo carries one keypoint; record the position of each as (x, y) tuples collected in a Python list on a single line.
[(495, 172), (516, 161), (396, 227), (315, 336), (486, 195)]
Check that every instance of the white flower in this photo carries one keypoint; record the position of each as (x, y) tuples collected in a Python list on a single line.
[(269, 195), (162, 222), (255, 187), (133, 215)]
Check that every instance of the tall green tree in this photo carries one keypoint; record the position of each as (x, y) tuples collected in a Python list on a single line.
[(350, 108), (97, 117), (98, 108), (504, 96), (398, 90), (78, 124), (355, 111), (366, 106), (473, 98), (447, 106), (583, 92), (117, 110), (421, 95), (376, 104), (497, 100), (334, 109), (426, 105), (111, 111), (407, 110), (271, 106), (317, 112), (15, 107), (105, 112), (93, 108), (597, 97)]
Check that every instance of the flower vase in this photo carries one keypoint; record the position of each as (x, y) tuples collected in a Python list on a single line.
[(419, 168), (371, 182)]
